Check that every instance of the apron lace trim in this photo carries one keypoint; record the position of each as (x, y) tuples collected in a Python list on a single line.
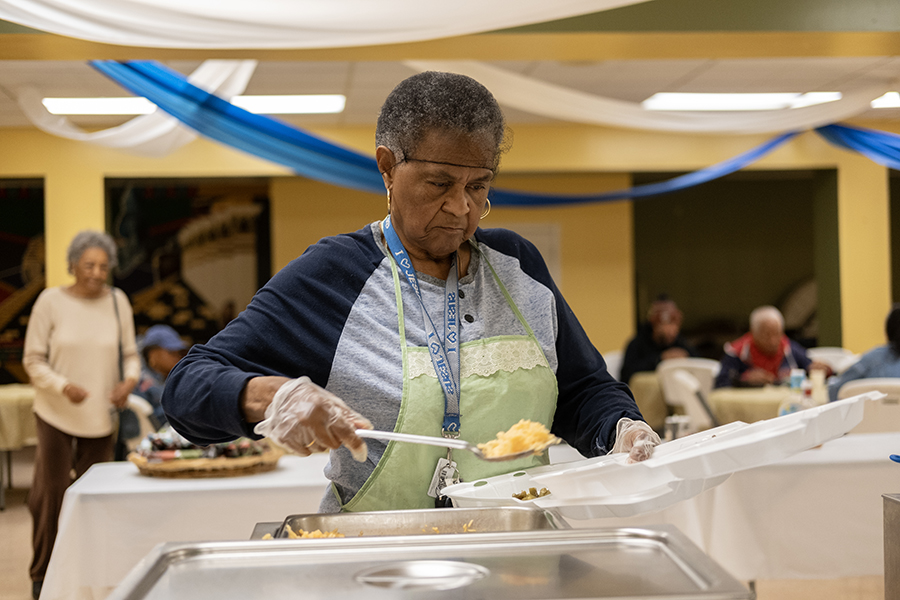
[(484, 359)]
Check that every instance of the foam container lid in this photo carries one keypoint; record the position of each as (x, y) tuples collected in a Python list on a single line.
[(608, 486)]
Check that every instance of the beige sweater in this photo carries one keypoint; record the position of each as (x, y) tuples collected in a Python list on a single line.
[(76, 340)]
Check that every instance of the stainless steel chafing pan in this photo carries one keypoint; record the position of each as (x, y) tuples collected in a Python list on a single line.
[(651, 563), (427, 521)]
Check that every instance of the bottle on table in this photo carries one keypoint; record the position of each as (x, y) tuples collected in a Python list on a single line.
[(819, 387), (800, 396)]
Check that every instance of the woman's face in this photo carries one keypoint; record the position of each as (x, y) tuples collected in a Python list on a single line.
[(439, 191), (91, 270)]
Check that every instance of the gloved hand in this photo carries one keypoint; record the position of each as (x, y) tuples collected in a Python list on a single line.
[(636, 438), (306, 418)]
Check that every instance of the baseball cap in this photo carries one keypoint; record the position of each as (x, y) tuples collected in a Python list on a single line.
[(164, 337)]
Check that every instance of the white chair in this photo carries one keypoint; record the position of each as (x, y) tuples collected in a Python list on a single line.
[(143, 410), (882, 416), (686, 384), (613, 363), (839, 359), (684, 390), (704, 369)]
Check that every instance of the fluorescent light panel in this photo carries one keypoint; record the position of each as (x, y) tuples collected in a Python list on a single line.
[(732, 102), (99, 106), (889, 100), (267, 105)]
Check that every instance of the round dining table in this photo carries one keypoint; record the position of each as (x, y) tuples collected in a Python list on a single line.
[(17, 429), (747, 404)]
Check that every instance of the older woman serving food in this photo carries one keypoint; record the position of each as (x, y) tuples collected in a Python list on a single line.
[(421, 323)]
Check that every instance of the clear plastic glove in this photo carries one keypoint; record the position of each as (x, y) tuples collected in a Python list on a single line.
[(306, 418), (636, 438)]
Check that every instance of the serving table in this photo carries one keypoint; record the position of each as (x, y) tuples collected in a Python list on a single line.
[(17, 429), (113, 516), (817, 515)]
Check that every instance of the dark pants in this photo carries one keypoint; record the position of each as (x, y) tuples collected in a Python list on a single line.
[(57, 454)]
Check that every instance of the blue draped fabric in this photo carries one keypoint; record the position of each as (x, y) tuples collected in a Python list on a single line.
[(261, 136), (501, 197), (318, 159), (880, 147)]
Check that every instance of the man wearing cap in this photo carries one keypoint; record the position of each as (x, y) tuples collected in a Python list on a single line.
[(657, 340), (161, 348)]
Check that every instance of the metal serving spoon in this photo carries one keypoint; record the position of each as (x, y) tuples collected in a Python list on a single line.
[(456, 444)]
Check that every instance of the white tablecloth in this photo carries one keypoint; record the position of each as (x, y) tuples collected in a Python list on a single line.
[(113, 516), (817, 515)]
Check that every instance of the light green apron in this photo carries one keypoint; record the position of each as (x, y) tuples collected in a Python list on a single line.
[(503, 379)]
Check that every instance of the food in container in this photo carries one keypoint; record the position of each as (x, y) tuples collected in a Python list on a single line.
[(609, 486)]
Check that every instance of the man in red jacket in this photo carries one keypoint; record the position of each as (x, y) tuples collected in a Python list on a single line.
[(764, 355)]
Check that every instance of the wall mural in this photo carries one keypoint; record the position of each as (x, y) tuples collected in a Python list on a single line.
[(189, 253)]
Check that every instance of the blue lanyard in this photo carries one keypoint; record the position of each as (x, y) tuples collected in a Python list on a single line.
[(444, 355)]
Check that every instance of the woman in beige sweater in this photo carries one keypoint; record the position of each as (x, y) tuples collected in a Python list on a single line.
[(80, 375)]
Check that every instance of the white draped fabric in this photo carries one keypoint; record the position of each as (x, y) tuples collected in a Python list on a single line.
[(156, 134), (556, 102), (284, 23)]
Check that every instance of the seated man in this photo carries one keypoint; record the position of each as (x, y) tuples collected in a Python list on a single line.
[(161, 348), (764, 355), (657, 340)]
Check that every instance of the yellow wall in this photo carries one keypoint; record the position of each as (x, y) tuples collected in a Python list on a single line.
[(865, 252), (304, 211), (596, 240)]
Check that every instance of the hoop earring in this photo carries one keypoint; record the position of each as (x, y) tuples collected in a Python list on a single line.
[(389, 201), (487, 209)]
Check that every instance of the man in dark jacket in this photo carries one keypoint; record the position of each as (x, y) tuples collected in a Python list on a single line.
[(657, 340)]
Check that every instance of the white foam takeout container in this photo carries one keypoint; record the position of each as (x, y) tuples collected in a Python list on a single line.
[(608, 486)]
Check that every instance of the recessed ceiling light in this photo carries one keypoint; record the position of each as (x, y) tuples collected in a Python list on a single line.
[(733, 102), (889, 100), (267, 105)]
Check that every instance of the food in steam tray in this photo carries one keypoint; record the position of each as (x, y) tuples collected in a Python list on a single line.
[(311, 534), (167, 454), (524, 435), (334, 533)]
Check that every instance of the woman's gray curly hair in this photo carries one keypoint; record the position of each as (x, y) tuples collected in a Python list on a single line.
[(438, 101), (91, 239)]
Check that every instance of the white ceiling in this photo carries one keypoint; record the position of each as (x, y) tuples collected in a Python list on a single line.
[(366, 84)]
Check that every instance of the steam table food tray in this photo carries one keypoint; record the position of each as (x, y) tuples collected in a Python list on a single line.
[(641, 563), (426, 521)]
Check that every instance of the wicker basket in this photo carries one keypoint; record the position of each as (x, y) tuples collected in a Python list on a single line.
[(190, 468)]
